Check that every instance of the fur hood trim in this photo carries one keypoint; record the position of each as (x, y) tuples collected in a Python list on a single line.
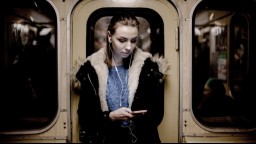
[(98, 62), (163, 65)]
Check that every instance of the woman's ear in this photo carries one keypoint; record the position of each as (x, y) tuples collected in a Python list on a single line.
[(109, 37)]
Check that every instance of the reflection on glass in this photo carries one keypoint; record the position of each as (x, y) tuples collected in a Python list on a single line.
[(28, 61), (220, 68)]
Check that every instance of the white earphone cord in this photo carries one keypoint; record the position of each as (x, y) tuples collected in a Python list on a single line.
[(120, 97), (126, 78)]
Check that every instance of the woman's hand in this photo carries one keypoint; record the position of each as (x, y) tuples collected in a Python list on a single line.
[(123, 113)]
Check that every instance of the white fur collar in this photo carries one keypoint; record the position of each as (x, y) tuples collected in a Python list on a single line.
[(97, 60)]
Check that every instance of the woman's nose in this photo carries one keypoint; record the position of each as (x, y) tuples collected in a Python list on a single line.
[(128, 46)]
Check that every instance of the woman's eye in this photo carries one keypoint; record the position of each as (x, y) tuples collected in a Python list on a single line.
[(133, 40), (122, 40), (125, 40)]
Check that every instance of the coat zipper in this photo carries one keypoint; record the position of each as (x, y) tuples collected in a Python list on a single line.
[(92, 84)]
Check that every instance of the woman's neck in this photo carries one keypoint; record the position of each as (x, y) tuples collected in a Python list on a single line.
[(117, 61)]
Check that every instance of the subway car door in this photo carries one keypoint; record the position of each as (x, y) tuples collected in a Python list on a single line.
[(158, 34)]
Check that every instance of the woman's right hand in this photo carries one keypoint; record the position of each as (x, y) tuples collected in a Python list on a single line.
[(122, 113)]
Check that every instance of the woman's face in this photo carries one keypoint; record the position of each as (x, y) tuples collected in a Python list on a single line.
[(207, 91), (123, 41)]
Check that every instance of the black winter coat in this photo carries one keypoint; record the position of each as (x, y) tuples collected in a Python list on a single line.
[(145, 92)]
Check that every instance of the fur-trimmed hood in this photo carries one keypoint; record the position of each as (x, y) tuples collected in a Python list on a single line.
[(98, 62)]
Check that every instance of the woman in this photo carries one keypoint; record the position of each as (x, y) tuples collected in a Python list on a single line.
[(215, 102), (115, 83)]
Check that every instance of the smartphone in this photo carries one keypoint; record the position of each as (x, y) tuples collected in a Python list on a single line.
[(139, 112)]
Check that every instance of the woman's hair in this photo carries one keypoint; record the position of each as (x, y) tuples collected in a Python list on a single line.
[(217, 86), (126, 19)]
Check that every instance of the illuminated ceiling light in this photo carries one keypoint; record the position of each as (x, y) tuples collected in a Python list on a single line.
[(31, 18), (211, 16), (35, 4)]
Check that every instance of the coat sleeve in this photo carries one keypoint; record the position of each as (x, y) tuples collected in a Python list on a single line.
[(88, 106), (156, 101), (150, 93)]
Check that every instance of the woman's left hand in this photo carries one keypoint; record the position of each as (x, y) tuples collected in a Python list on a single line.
[(123, 113)]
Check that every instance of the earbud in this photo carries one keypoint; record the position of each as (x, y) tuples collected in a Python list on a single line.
[(109, 37)]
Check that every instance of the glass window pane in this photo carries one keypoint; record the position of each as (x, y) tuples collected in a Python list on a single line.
[(223, 64), (150, 30), (100, 33), (28, 62)]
